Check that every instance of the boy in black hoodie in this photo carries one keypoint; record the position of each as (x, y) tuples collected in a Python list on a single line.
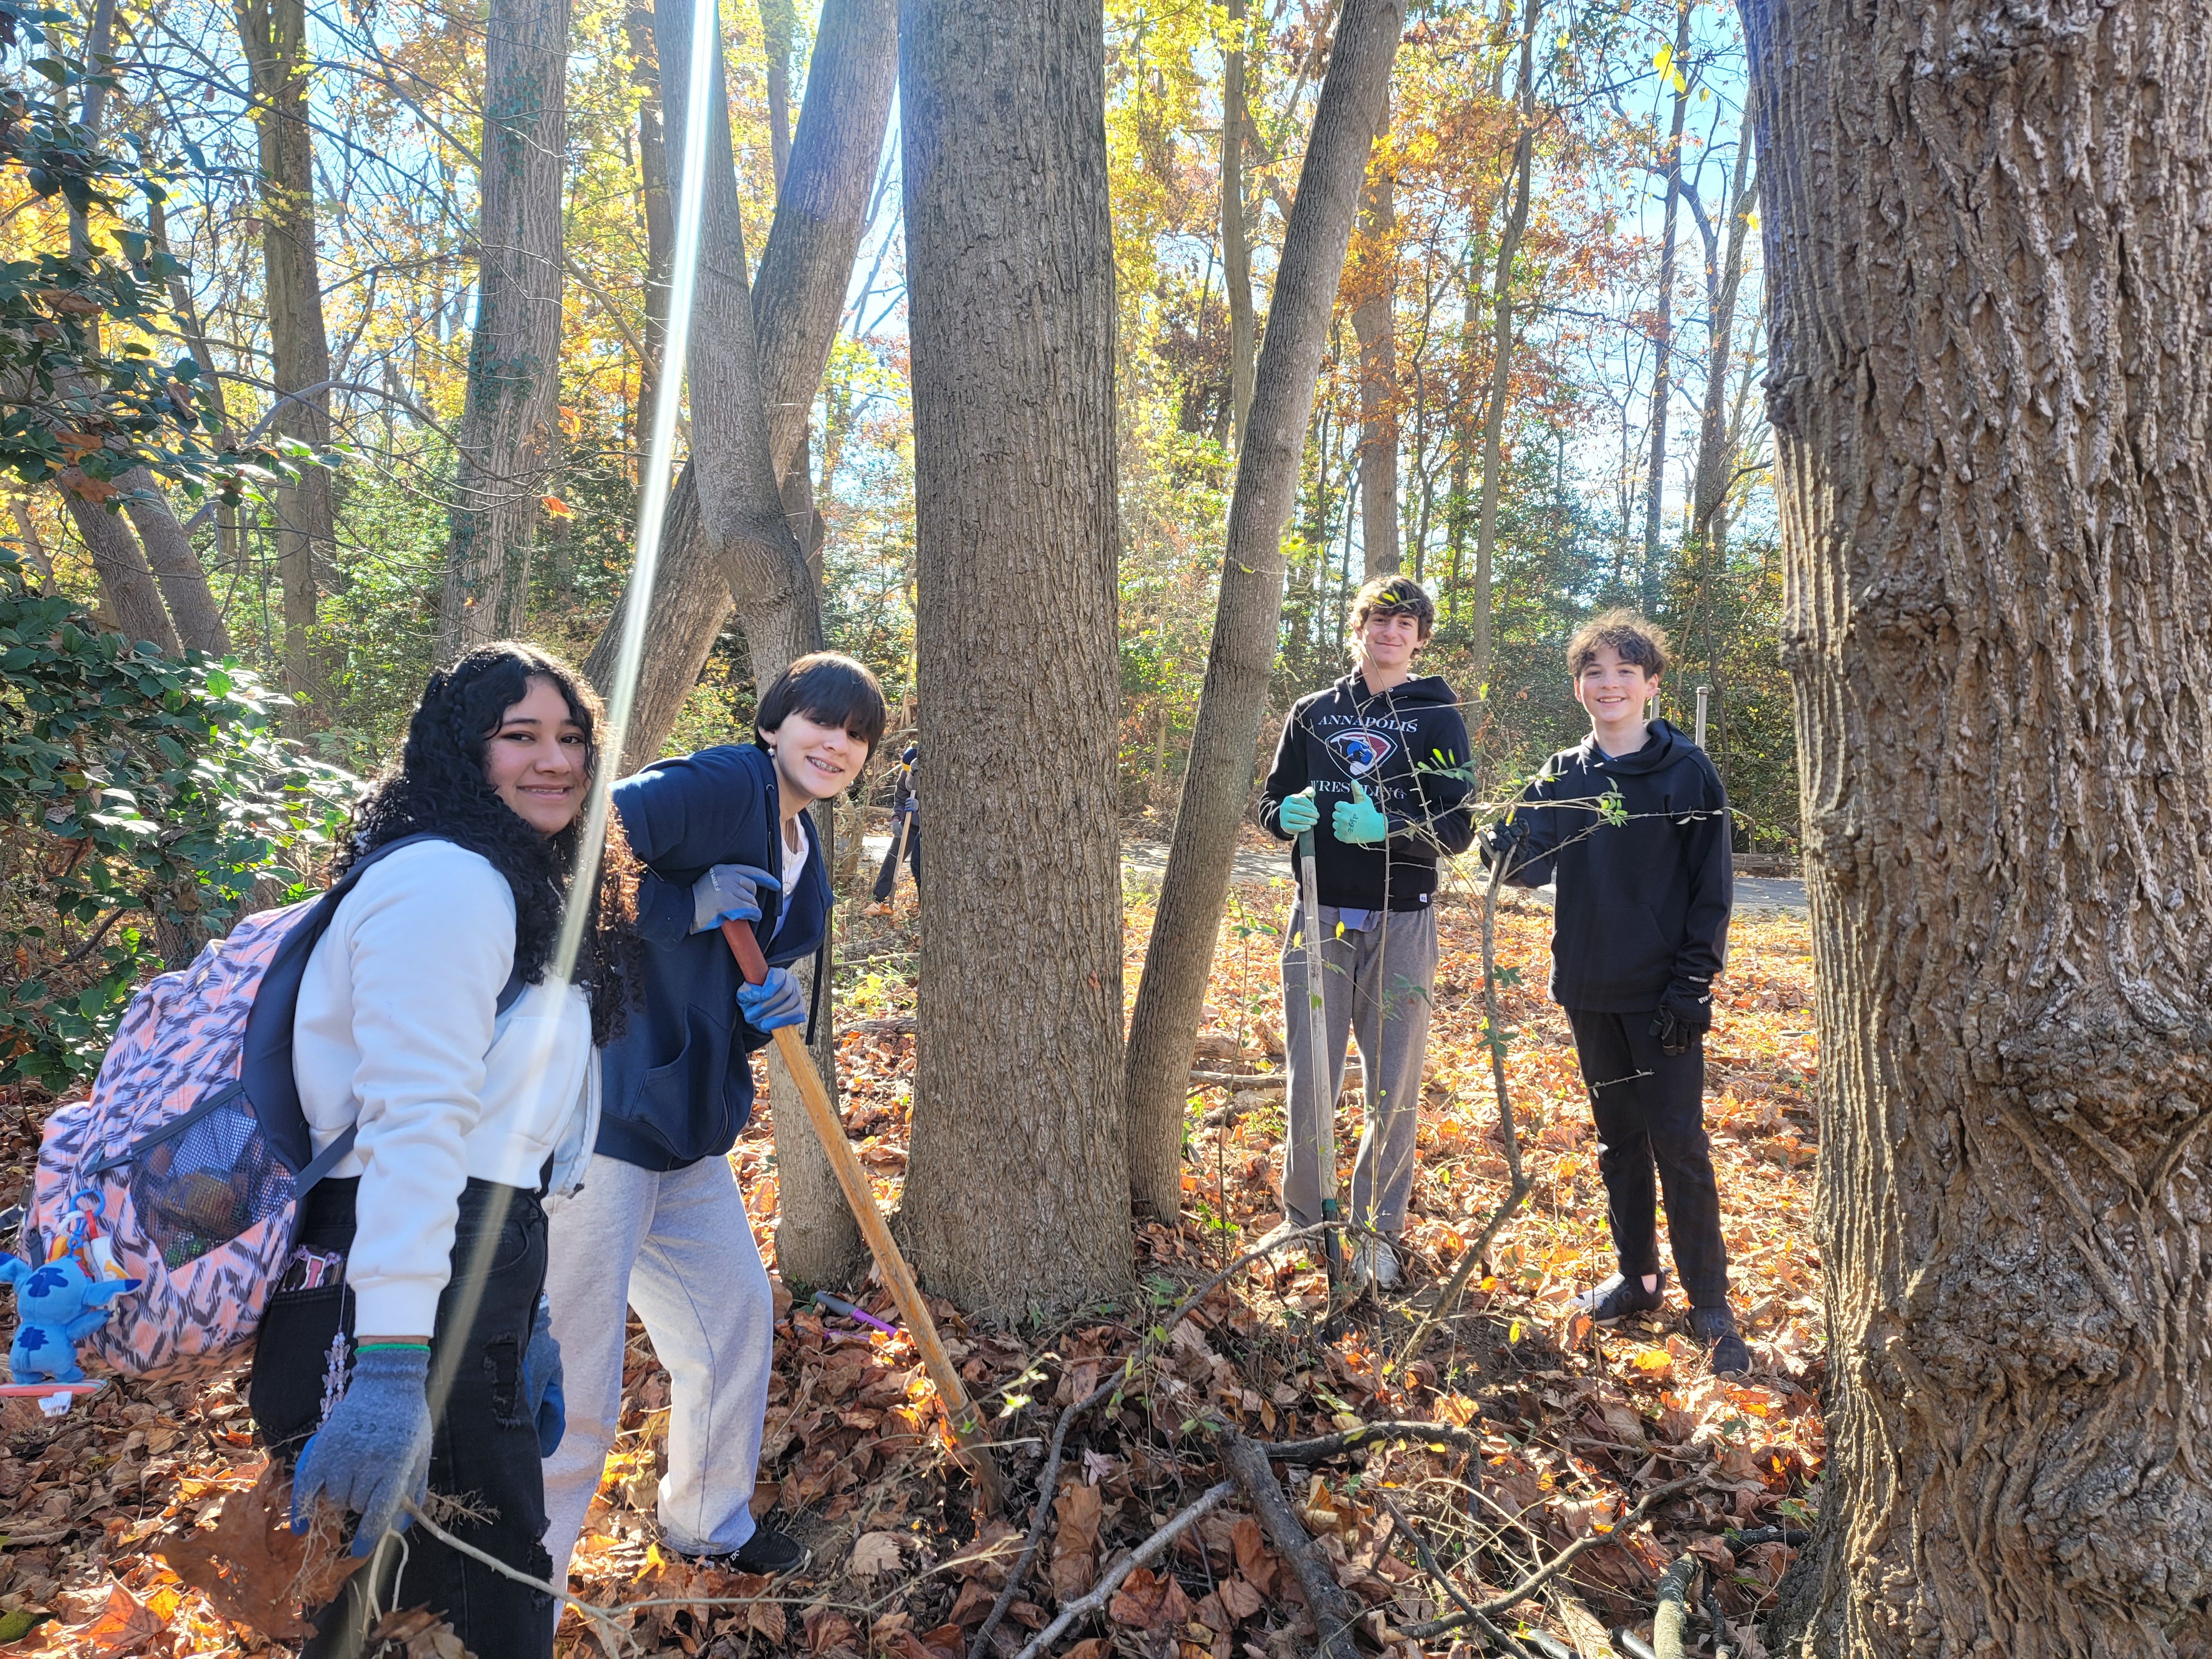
[(1364, 765), (1639, 930)]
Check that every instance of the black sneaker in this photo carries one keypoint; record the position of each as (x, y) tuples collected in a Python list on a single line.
[(767, 1550), (1621, 1298), (1716, 1328)]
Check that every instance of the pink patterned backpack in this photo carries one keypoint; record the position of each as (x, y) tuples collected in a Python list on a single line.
[(186, 1167)]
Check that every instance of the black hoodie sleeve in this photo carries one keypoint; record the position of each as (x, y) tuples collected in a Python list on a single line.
[(1447, 821), (1712, 873), (1535, 856), (1289, 775)]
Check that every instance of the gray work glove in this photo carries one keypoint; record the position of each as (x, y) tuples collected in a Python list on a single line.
[(776, 1000), (729, 892), (372, 1453)]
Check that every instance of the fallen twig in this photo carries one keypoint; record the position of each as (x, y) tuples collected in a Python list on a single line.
[(1145, 1554), (1369, 1434), (1334, 1612), (1428, 1556), (1559, 1563), (1050, 1475), (1672, 1618)]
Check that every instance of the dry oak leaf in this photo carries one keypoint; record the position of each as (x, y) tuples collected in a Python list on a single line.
[(828, 1631), (1240, 1600), (250, 1565), (1148, 1602), (989, 1556), (123, 1625), (420, 1633), (1077, 1511), (875, 1554)]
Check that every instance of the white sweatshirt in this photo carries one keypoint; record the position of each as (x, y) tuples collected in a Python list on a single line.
[(397, 1029)]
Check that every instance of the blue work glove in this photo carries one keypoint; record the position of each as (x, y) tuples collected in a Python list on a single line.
[(775, 1001), (729, 892), (1360, 821), (541, 1381), (1297, 813), (372, 1453)]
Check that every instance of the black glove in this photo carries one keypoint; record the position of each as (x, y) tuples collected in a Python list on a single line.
[(1685, 1013), (1503, 842)]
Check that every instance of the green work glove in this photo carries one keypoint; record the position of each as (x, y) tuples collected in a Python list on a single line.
[(1297, 813), (1359, 820)]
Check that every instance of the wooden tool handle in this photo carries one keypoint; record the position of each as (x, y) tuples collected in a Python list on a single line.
[(960, 1412)]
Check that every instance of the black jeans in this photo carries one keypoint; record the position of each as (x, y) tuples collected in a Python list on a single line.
[(888, 874), (485, 1448), (1650, 1110)]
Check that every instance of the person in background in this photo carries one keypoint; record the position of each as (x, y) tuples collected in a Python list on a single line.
[(906, 825), (416, 1369), (1640, 931), (1374, 766), (659, 1225)]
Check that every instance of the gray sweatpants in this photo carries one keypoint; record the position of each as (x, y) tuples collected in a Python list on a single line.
[(1381, 975), (678, 1247)]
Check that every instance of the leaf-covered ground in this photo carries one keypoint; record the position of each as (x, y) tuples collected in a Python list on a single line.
[(1560, 1428)]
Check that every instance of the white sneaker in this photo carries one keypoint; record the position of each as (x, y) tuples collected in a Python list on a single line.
[(1374, 1263)]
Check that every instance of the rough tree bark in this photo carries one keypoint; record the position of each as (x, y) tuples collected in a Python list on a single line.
[(1218, 775), (1374, 323), (1016, 1188), (1235, 235), (125, 576), (1663, 337), (510, 427), (274, 34), (1518, 177), (1991, 292), (184, 589), (797, 301)]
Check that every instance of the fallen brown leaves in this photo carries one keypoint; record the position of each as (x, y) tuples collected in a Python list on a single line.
[(1567, 1425)]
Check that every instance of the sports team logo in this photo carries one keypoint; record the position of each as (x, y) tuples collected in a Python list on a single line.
[(1361, 751)]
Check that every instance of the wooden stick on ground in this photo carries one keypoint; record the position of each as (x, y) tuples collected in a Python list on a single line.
[(1333, 1612), (959, 1412), (1146, 1552)]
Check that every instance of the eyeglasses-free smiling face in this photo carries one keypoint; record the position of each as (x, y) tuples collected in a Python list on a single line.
[(1615, 692), (539, 760), (1387, 640), (818, 761)]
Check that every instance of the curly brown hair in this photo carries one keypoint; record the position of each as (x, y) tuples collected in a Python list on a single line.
[(439, 788), (1627, 634)]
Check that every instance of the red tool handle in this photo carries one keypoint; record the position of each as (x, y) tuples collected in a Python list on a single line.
[(746, 949)]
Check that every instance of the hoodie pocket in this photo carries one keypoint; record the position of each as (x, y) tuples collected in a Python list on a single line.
[(681, 1103), (1618, 950)]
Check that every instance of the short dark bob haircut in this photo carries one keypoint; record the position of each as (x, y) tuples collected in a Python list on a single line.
[(830, 688)]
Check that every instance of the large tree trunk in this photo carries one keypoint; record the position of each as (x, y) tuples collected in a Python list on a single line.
[(185, 588), (1236, 236), (1375, 322), (1991, 313), (510, 430), (1218, 775), (1501, 357), (796, 304), (124, 577), (1017, 1191), (274, 34), (1663, 338)]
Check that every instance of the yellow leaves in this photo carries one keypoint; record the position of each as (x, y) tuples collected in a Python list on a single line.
[(1663, 61)]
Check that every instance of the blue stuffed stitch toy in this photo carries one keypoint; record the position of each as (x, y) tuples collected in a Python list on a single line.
[(55, 1305)]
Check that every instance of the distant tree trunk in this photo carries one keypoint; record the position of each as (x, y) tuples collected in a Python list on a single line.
[(798, 298), (1709, 493), (124, 577), (274, 34), (1655, 482), (1375, 322), (1236, 237), (1989, 276), (660, 215), (184, 582), (1016, 1188), (1462, 421), (229, 556), (1501, 357), (510, 420), (1218, 772)]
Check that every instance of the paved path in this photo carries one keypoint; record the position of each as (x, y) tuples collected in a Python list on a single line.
[(1148, 860)]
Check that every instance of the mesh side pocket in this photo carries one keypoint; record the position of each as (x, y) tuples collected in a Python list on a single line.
[(205, 1186)]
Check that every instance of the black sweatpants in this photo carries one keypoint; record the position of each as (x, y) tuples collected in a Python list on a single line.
[(1650, 1109), (887, 877), (485, 1446)]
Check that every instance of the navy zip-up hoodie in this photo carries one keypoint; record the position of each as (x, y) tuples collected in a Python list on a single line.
[(1642, 908), (1397, 745), (676, 1086)]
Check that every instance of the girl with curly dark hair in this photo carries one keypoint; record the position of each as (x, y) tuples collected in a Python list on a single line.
[(436, 1022)]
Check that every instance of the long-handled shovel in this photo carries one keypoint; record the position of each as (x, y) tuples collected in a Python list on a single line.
[(1317, 1058), (967, 1426)]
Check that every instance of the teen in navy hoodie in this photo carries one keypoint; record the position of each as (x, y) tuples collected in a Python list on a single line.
[(660, 1224), (1373, 765), (1631, 827)]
